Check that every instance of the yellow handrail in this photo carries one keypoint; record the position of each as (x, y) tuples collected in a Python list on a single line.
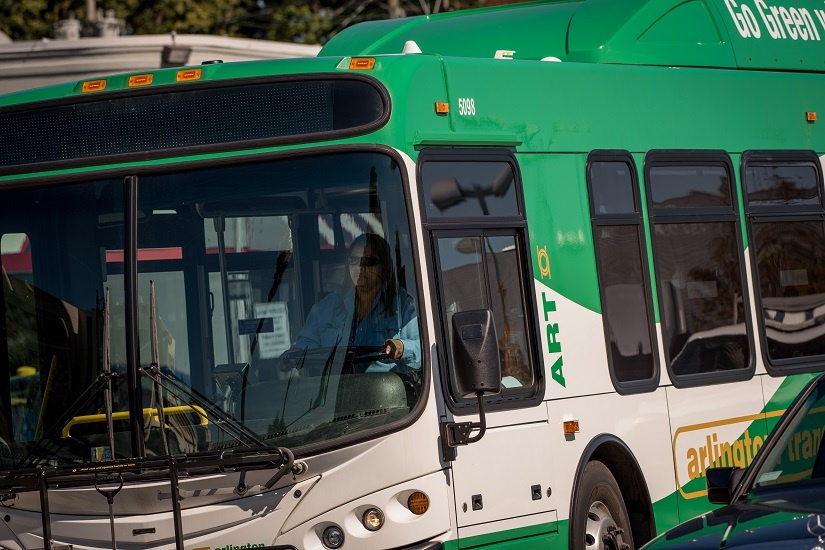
[(147, 414)]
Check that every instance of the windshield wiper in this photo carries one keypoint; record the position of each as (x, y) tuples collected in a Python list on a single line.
[(238, 431), (107, 370), (157, 390), (155, 374), (102, 383), (98, 385)]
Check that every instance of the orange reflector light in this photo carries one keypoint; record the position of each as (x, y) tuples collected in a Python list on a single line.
[(442, 107), (93, 86), (571, 427), (140, 80), (188, 74), (418, 503), (810, 116), (362, 63)]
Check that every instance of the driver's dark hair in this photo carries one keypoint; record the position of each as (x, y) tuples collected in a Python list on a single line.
[(381, 248)]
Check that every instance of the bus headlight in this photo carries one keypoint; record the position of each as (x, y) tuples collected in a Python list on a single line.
[(333, 537), (373, 519)]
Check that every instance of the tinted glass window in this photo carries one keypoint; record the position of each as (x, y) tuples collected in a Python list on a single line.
[(690, 187), (702, 297), (791, 273), (625, 299), (782, 185), (611, 187), (625, 295), (485, 267), (469, 189), (700, 274), (784, 199), (480, 273)]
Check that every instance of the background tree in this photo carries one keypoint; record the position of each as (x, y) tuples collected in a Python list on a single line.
[(304, 21), (25, 19), (315, 21), (182, 16)]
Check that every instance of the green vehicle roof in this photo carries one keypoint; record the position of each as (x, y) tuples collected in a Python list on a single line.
[(751, 34)]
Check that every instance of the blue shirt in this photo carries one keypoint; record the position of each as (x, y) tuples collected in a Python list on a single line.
[(330, 323)]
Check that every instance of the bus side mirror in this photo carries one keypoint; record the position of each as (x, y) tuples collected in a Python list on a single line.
[(477, 371), (475, 353)]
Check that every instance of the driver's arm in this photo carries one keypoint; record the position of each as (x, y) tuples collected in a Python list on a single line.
[(411, 340), (405, 346)]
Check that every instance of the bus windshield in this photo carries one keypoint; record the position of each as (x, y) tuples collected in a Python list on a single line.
[(253, 325)]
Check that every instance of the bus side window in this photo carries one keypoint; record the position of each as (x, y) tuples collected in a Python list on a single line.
[(479, 238), (481, 272), (624, 283), (699, 269), (783, 198)]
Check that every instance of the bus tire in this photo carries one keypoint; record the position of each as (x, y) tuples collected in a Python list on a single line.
[(600, 520)]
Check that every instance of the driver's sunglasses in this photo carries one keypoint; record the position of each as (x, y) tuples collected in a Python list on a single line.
[(363, 261)]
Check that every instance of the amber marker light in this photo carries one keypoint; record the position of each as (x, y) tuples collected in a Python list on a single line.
[(140, 80), (362, 63), (188, 74), (810, 116), (442, 107), (571, 427), (418, 503), (93, 86)]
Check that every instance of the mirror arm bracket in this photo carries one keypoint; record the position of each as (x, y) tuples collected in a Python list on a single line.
[(454, 434)]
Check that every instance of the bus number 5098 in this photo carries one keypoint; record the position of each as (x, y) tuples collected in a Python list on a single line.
[(466, 106)]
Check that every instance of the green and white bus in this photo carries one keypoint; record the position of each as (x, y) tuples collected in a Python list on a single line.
[(607, 215)]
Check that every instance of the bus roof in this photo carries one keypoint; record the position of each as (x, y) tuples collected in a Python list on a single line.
[(750, 34)]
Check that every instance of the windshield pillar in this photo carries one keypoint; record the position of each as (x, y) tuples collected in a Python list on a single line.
[(130, 191)]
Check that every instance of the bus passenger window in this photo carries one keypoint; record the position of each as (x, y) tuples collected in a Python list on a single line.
[(785, 207), (623, 273), (699, 269)]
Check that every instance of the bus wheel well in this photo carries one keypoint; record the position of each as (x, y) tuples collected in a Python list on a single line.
[(621, 463)]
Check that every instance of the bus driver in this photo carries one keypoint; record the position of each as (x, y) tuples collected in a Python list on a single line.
[(370, 310)]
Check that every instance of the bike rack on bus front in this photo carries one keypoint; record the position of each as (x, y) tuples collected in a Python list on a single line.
[(124, 472)]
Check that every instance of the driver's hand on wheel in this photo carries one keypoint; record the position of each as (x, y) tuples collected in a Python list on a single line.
[(394, 348), (291, 359)]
